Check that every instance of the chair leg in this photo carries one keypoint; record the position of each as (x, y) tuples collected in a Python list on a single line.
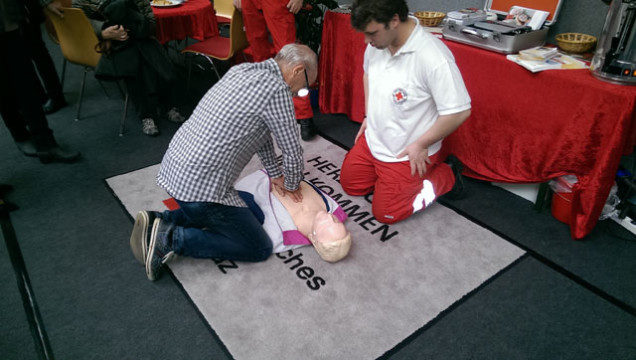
[(63, 73), (81, 96), (122, 123), (214, 67), (189, 73), (543, 197)]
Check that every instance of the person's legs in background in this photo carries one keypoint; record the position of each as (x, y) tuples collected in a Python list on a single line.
[(4, 190), (13, 119), (305, 116), (18, 87), (282, 25), (142, 100), (168, 98), (16, 111), (153, 94), (256, 30), (45, 67), (259, 17)]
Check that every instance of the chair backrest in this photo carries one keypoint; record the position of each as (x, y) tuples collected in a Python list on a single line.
[(238, 39), (224, 8), (76, 37), (222, 48), (48, 25)]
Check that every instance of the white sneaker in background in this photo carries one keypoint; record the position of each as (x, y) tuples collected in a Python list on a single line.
[(174, 116), (148, 127)]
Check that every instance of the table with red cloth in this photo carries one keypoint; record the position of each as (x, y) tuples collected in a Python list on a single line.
[(524, 127), (194, 18)]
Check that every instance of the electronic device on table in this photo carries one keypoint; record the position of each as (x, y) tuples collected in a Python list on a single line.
[(615, 56), (529, 29)]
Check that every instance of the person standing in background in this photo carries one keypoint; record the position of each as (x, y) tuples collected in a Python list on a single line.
[(276, 18), (41, 58), (20, 104)]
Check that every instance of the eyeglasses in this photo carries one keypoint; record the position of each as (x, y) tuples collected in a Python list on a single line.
[(304, 91)]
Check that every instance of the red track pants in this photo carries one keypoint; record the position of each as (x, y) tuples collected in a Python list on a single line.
[(259, 16), (396, 193)]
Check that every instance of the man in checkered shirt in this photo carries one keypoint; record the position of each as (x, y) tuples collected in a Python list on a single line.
[(233, 121)]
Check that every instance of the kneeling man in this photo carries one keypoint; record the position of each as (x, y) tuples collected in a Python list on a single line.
[(414, 97), (233, 121)]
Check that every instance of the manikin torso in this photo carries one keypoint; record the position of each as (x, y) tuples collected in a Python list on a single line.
[(310, 215), (317, 219)]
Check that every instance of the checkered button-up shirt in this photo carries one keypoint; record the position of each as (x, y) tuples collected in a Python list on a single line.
[(233, 121)]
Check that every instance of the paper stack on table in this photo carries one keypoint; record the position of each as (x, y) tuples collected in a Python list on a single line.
[(540, 53), (556, 62)]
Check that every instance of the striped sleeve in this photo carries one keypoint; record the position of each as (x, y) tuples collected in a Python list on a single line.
[(281, 121), (268, 159)]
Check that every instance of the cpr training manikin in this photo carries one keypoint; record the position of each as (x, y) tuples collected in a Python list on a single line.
[(316, 220)]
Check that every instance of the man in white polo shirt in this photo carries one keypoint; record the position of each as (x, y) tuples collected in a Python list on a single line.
[(414, 96)]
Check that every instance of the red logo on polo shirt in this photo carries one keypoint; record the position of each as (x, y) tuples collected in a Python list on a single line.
[(399, 96)]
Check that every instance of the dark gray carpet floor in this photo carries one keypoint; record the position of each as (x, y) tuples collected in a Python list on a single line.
[(564, 300)]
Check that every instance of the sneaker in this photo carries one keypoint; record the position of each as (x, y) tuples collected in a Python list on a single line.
[(159, 252), (175, 116), (140, 236), (148, 127), (307, 129), (457, 192)]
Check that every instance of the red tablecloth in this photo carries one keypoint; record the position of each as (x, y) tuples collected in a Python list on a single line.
[(194, 18), (524, 127)]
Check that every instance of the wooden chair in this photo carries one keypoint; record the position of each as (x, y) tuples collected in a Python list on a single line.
[(50, 30), (218, 47), (77, 40), (224, 10)]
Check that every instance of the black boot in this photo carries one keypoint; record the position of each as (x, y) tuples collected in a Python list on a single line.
[(307, 129), (57, 154), (51, 106), (27, 147), (457, 192), (9, 206)]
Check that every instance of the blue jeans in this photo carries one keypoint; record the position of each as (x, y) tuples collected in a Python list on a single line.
[(211, 230)]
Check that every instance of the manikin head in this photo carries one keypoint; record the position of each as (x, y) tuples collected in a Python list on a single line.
[(330, 237)]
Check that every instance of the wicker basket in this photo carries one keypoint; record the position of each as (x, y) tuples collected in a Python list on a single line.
[(429, 18), (575, 43)]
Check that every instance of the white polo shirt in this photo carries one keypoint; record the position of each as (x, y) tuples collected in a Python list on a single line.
[(408, 91)]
